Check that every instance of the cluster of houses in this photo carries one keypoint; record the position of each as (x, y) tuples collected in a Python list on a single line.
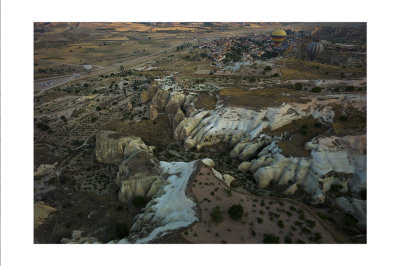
[(249, 48)]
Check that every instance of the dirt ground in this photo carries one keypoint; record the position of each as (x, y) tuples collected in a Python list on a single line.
[(267, 97), (261, 216)]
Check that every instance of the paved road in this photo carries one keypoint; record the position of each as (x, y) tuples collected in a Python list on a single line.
[(43, 85)]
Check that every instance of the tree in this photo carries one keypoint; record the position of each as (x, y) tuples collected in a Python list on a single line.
[(236, 212), (216, 215)]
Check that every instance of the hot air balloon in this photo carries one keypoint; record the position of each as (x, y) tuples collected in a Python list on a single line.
[(314, 49), (278, 37)]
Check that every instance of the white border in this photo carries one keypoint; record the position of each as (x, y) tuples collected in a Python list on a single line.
[(17, 19)]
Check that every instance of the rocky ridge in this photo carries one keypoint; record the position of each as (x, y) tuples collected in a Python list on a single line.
[(138, 173)]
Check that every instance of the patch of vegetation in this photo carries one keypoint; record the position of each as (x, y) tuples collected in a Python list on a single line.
[(139, 202), (216, 215), (316, 89), (236, 212), (298, 86), (121, 230), (288, 240), (280, 224), (270, 239)]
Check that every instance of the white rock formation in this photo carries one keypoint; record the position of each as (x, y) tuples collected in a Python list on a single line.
[(170, 210), (232, 123), (342, 155), (357, 208)]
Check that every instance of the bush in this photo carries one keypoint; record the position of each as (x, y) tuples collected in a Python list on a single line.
[(42, 126), (236, 212), (316, 89), (267, 68), (350, 88), (343, 118), (216, 215), (280, 224), (121, 230), (270, 239), (318, 124), (336, 187), (288, 240), (275, 75), (139, 202), (298, 86), (98, 108)]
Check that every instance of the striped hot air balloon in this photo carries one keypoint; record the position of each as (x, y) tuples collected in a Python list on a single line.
[(278, 37), (314, 49)]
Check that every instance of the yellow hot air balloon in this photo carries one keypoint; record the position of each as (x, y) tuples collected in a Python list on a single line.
[(278, 37)]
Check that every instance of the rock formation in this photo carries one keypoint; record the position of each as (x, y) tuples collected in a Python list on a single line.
[(41, 212), (230, 124), (138, 173)]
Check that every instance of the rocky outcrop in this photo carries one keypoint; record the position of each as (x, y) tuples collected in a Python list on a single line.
[(153, 112), (185, 127), (145, 97), (170, 210), (77, 238), (228, 179), (174, 104), (138, 173), (166, 96), (41, 212), (330, 156), (357, 208), (112, 147), (233, 123), (160, 99), (178, 117)]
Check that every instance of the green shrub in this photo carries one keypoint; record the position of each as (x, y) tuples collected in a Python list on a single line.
[(280, 224), (42, 126), (236, 212), (288, 240), (317, 124), (270, 239), (139, 202), (298, 86), (343, 118), (275, 75), (121, 230), (336, 187), (316, 89), (259, 220), (216, 215)]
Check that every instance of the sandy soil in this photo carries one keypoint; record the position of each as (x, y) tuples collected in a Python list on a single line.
[(261, 216)]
